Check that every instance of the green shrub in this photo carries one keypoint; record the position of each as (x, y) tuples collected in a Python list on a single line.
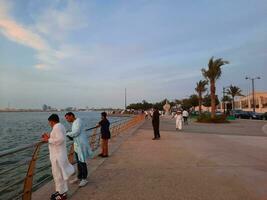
[(206, 118)]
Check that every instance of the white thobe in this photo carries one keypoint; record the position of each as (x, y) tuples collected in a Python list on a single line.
[(61, 168), (185, 113), (179, 121)]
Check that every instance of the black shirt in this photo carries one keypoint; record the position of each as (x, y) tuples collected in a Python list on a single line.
[(155, 118), (105, 132)]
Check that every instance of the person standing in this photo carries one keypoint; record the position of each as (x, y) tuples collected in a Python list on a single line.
[(81, 147), (179, 120), (185, 116), (61, 168), (146, 114), (105, 134), (155, 123)]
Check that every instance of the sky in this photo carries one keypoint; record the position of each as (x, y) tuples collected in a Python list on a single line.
[(85, 53)]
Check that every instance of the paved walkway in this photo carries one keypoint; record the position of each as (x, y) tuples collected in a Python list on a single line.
[(203, 162)]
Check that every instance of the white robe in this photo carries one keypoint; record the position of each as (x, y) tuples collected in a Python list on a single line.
[(61, 168), (179, 121), (185, 113)]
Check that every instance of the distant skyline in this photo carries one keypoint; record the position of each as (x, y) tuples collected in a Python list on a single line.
[(85, 53)]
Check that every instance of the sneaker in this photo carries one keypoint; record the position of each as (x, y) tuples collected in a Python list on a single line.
[(83, 183), (61, 197), (53, 196), (75, 180)]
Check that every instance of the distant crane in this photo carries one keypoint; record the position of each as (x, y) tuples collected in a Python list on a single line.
[(125, 99)]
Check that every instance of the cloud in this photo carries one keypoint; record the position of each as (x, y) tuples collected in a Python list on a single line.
[(18, 33), (61, 21), (52, 24), (24, 35)]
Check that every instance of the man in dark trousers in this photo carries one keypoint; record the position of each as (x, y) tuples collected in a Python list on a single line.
[(155, 123)]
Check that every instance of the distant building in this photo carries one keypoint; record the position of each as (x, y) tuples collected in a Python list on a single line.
[(44, 107), (246, 102)]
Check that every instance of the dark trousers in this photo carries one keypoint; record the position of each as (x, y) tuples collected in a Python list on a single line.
[(185, 120), (82, 168), (156, 131)]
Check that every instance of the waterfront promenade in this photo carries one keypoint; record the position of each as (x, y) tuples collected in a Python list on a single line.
[(202, 162)]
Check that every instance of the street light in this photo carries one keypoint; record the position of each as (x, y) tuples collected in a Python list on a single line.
[(253, 90)]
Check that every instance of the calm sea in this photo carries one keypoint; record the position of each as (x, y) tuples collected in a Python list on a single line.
[(20, 128)]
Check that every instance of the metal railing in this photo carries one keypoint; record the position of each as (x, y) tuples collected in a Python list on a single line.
[(27, 175)]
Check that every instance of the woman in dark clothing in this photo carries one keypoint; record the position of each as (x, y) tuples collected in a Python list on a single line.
[(105, 134)]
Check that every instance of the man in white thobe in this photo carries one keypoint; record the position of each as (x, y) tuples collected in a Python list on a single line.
[(61, 168), (185, 116), (179, 120)]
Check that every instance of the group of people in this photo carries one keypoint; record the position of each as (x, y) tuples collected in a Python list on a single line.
[(62, 169), (180, 116)]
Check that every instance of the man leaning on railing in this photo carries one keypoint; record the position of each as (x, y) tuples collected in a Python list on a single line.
[(81, 147), (61, 168)]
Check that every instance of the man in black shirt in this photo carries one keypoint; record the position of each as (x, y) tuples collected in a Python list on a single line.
[(155, 123), (105, 134)]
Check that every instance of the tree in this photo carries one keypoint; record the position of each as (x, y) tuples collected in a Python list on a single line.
[(190, 102), (194, 100), (234, 91), (226, 98), (200, 89), (186, 104), (207, 100), (146, 105), (140, 106), (212, 74)]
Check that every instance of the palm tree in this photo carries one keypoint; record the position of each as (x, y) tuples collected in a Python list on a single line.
[(200, 89), (234, 91), (225, 99), (212, 74)]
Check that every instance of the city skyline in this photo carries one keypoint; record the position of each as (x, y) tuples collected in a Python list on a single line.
[(80, 53)]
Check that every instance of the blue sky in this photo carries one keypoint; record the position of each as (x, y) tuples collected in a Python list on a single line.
[(84, 53)]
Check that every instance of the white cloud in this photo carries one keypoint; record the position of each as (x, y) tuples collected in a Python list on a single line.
[(52, 24), (41, 66), (57, 22), (19, 33)]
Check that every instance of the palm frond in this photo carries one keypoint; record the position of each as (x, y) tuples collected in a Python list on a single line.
[(234, 91), (214, 71), (201, 86)]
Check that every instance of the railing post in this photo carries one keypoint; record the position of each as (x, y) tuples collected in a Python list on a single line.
[(94, 142), (112, 131), (28, 181)]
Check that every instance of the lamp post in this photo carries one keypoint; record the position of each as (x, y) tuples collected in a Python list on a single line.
[(253, 90)]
